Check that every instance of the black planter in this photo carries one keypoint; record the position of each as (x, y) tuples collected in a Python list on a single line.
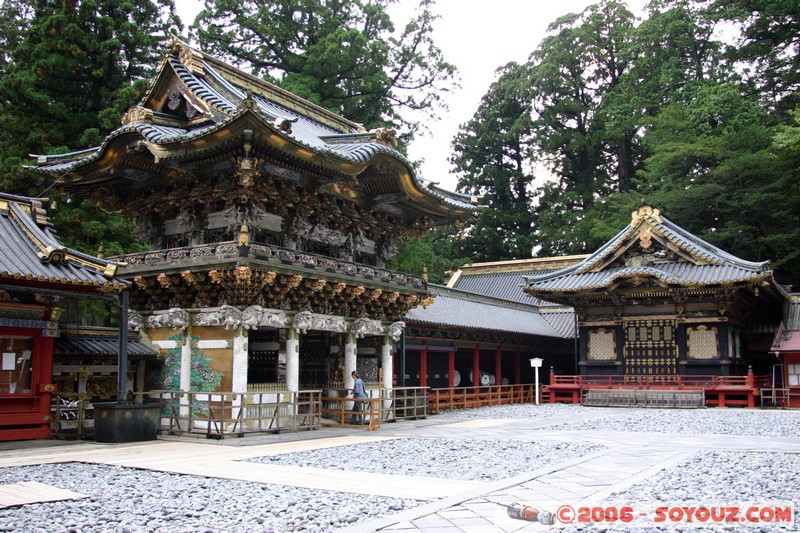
[(121, 422)]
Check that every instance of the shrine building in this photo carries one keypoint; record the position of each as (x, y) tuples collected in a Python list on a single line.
[(39, 279), (270, 223), (658, 307)]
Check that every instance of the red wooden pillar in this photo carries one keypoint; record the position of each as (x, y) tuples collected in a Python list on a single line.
[(476, 367), (552, 381), (517, 368), (451, 369), (423, 368), (498, 367)]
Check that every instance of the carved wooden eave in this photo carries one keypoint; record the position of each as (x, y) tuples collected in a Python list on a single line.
[(277, 278)]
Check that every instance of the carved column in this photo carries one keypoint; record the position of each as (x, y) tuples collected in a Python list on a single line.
[(292, 360), (239, 374), (349, 363), (186, 372), (387, 370)]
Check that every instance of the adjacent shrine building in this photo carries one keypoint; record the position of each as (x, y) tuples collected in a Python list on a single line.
[(270, 222), (38, 276), (657, 301)]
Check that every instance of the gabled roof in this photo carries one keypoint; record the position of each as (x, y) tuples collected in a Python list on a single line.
[(656, 249), (459, 309), (504, 279), (31, 252), (219, 100)]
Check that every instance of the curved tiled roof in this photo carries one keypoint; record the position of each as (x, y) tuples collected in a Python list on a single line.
[(706, 264), (222, 93), (32, 252), (502, 285)]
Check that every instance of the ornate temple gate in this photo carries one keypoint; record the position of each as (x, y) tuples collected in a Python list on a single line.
[(650, 348)]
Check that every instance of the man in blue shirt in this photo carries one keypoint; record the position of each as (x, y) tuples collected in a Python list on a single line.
[(358, 392)]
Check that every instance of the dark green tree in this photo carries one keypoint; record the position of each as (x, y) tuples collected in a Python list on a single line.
[(491, 158), (584, 128), (70, 69), (345, 55), (768, 49), (436, 253)]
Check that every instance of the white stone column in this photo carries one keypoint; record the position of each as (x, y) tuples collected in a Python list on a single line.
[(239, 371), (292, 359), (186, 372), (350, 344), (387, 371), (349, 360)]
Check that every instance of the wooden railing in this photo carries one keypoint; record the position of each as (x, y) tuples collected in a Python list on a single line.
[(662, 381), (224, 414), (469, 397)]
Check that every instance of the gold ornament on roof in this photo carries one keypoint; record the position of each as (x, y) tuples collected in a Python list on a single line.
[(138, 115), (645, 211), (385, 136)]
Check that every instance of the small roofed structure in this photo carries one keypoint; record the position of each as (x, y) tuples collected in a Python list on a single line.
[(786, 347), (657, 302), (37, 274)]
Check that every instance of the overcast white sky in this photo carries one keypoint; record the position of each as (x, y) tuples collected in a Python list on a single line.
[(477, 36)]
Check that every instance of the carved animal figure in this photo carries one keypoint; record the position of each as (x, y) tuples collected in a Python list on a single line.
[(302, 321), (135, 321), (363, 326), (251, 316), (395, 330), (176, 318), (273, 319), (231, 316)]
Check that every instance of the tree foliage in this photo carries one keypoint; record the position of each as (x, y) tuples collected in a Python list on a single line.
[(70, 68), (491, 157), (670, 110), (345, 55)]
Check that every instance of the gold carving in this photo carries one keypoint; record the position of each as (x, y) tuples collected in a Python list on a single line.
[(138, 115)]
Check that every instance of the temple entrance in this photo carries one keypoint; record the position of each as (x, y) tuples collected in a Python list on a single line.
[(266, 358), (650, 348), (315, 371)]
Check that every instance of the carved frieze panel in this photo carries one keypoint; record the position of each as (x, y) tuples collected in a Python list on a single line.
[(306, 320), (362, 327), (175, 318)]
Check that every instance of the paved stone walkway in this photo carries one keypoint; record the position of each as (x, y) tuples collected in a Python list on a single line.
[(453, 506)]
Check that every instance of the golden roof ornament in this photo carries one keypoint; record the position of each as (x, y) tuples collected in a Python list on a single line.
[(385, 136), (191, 58), (645, 211), (244, 235), (137, 115)]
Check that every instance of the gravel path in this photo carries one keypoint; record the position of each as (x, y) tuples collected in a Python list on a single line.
[(465, 459)]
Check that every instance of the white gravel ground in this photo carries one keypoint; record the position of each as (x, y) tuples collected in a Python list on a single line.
[(465, 459), (132, 500), (129, 500), (752, 422)]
